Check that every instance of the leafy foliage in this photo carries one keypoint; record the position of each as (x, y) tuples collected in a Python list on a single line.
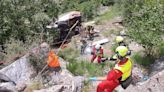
[(84, 67), (144, 20), (142, 60), (81, 67), (88, 8), (107, 2), (24, 18), (110, 14), (22, 22)]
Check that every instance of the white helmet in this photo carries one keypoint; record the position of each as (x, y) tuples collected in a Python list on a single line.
[(97, 46)]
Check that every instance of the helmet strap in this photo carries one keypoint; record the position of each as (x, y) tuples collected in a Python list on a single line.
[(121, 57)]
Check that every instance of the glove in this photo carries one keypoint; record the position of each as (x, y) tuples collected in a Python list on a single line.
[(104, 59), (129, 53), (112, 59), (92, 53), (107, 58), (92, 78)]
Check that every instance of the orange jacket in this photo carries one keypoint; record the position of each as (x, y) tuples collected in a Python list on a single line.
[(52, 59)]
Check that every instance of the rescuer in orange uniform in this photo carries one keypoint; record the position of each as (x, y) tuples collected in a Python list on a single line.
[(53, 62)]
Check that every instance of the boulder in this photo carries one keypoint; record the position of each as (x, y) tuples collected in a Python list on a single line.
[(19, 71), (56, 88), (22, 71), (154, 84), (7, 87), (64, 82), (157, 66)]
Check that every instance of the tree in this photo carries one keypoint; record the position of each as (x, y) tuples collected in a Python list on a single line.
[(144, 20), (22, 19)]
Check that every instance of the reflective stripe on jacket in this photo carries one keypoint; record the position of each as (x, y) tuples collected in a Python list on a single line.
[(125, 68)]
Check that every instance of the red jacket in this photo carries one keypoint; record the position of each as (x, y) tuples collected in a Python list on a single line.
[(99, 52)]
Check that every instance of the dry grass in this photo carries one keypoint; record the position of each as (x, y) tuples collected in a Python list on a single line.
[(35, 85)]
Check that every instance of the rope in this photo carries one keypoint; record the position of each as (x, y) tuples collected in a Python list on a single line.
[(59, 47)]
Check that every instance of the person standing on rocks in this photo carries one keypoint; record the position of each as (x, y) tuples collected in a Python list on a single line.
[(52, 61), (97, 52), (83, 46), (119, 75)]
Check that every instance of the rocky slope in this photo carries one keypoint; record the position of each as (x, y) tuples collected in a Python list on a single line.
[(20, 74)]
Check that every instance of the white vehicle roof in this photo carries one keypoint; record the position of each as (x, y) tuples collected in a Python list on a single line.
[(69, 15)]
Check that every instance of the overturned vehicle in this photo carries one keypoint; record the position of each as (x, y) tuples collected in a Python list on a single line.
[(70, 21)]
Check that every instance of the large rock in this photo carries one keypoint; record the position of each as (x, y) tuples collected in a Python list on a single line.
[(157, 66), (7, 87), (56, 88), (154, 84), (19, 71), (64, 82), (22, 71)]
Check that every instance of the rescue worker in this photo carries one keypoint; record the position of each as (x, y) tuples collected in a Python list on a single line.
[(119, 75), (52, 60), (83, 46), (120, 41), (90, 30), (97, 51)]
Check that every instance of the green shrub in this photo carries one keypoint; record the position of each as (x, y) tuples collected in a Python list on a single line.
[(69, 54), (110, 14), (85, 68), (107, 2), (144, 20), (88, 8), (143, 60), (15, 48), (75, 68), (38, 61), (2, 56), (161, 50), (113, 48), (21, 19)]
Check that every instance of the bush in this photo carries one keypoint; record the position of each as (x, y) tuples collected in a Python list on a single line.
[(161, 49), (80, 67), (143, 60), (113, 48), (16, 48), (107, 2), (69, 54), (38, 61), (88, 8), (144, 20), (110, 14), (107, 33), (85, 68), (13, 49), (23, 19)]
